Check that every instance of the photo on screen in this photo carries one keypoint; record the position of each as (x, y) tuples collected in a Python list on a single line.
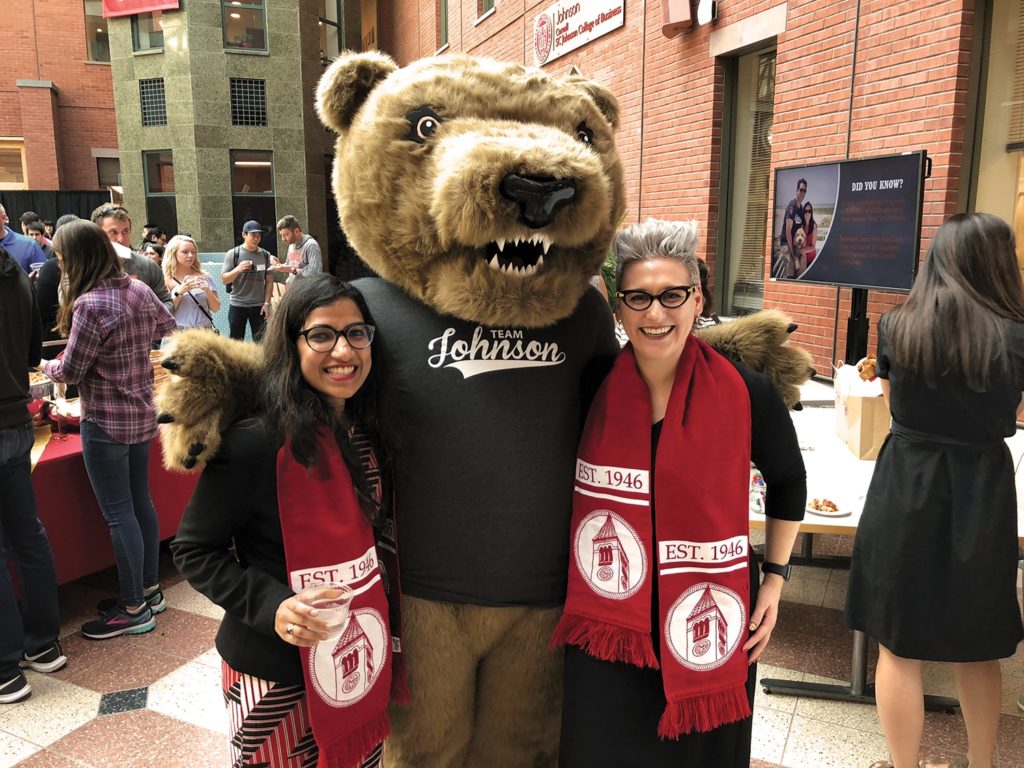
[(853, 222)]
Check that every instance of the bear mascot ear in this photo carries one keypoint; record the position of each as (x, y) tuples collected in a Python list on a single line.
[(602, 97), (347, 83)]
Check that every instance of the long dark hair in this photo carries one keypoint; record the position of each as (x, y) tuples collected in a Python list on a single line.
[(954, 322), (88, 259), (293, 409), (808, 218)]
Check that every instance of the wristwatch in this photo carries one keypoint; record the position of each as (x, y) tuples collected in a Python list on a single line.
[(175, 293), (779, 570)]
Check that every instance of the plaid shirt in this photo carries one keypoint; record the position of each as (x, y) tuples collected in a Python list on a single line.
[(112, 332)]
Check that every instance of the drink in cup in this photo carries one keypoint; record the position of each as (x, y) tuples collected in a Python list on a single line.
[(333, 611)]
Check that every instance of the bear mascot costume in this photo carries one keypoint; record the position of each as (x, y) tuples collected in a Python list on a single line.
[(484, 194)]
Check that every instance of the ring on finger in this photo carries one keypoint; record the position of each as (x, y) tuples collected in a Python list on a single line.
[(290, 628)]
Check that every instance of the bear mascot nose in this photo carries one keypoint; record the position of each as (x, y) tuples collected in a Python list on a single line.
[(538, 197)]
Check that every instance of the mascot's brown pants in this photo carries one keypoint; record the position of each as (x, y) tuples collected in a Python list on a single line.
[(486, 691)]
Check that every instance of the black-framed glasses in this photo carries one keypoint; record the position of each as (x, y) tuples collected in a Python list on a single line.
[(801, 189), (670, 298), (323, 338)]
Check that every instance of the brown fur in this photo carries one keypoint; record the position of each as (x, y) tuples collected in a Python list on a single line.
[(758, 342), (209, 375), (421, 214)]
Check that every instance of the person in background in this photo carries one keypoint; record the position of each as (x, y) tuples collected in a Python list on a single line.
[(155, 252), (114, 220), (27, 218), (27, 636), (48, 292), (241, 539), (933, 576), (49, 228), (810, 249), (664, 468), (247, 272), (24, 250), (192, 290), (37, 231), (111, 322), (303, 257)]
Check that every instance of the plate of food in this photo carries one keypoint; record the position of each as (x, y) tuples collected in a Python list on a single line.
[(39, 385), (826, 508)]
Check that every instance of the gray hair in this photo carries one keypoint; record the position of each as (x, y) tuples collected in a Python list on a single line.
[(657, 239)]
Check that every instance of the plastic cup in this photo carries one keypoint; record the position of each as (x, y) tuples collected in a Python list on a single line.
[(35, 266), (332, 610)]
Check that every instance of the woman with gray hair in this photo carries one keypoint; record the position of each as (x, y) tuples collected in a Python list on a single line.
[(665, 616)]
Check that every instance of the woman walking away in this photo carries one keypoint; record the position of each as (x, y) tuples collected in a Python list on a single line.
[(296, 498), (934, 566), (111, 322)]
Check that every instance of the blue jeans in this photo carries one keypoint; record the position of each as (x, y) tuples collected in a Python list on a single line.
[(37, 624), (119, 475), (237, 318)]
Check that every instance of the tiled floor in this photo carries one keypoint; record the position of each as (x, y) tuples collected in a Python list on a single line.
[(154, 700)]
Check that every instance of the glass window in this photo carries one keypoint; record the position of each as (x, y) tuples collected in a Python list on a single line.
[(245, 24), (108, 171), (442, 23), (330, 12), (12, 165), (159, 169), (148, 32), (485, 6), (359, 24), (97, 45), (252, 172)]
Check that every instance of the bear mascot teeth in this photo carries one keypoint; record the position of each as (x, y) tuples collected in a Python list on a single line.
[(484, 194)]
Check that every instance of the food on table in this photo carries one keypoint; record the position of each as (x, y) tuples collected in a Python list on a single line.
[(823, 505)]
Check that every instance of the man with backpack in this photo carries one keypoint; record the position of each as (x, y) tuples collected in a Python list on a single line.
[(250, 283)]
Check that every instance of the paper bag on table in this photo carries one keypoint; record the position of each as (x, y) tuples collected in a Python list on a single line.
[(862, 415)]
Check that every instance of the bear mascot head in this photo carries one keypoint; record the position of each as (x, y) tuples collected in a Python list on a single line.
[(487, 190)]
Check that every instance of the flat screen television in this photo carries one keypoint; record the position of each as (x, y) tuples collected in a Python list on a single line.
[(854, 223)]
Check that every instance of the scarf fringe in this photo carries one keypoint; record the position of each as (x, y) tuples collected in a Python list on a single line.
[(605, 641), (704, 712), (350, 751)]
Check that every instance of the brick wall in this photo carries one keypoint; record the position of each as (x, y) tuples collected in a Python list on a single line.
[(909, 92), (48, 42)]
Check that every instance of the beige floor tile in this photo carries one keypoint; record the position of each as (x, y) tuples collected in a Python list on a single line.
[(862, 717), (775, 701), (809, 573), (805, 590), (819, 744), (771, 729), (209, 659), (835, 592), (183, 597), (938, 679), (55, 709), (12, 749), (191, 693)]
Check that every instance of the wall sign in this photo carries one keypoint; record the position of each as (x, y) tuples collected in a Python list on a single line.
[(568, 24), (115, 8)]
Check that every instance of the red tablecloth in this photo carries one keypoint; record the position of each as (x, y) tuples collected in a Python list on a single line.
[(67, 506)]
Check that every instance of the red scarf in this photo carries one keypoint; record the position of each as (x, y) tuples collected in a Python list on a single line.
[(701, 480), (328, 538)]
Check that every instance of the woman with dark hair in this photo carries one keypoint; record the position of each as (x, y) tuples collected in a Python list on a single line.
[(810, 249), (934, 567), (296, 498), (111, 322), (666, 615)]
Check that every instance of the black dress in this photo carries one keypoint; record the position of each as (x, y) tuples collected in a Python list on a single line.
[(611, 710), (934, 568)]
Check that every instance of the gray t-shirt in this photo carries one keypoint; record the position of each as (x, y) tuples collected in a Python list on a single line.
[(483, 425), (249, 288)]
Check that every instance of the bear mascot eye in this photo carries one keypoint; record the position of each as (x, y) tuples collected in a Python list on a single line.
[(584, 134), (423, 124)]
